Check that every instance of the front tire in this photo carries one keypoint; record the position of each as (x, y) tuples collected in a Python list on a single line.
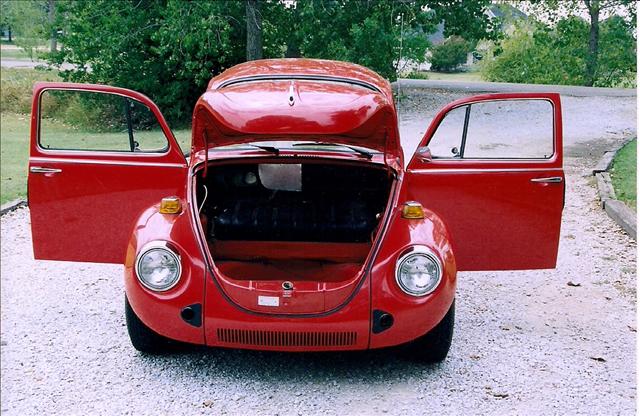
[(433, 346), (143, 338)]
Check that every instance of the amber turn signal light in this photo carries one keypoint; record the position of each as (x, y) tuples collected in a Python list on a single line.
[(170, 205), (412, 210)]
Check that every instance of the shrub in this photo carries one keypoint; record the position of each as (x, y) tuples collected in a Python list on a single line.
[(417, 75), (17, 87), (617, 63), (449, 55), (82, 110)]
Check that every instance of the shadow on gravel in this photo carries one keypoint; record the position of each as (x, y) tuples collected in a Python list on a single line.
[(238, 365)]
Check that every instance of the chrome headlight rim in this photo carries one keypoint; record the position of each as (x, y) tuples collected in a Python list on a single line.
[(423, 250), (158, 245)]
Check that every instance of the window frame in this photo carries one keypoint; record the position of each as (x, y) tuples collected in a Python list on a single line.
[(466, 125), (55, 150)]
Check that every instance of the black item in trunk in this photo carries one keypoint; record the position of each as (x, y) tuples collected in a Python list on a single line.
[(336, 203)]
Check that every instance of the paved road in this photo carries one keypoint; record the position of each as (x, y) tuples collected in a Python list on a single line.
[(525, 342), (586, 119), (475, 87), (20, 63), (23, 63)]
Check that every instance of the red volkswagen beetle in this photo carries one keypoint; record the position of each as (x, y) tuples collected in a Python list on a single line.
[(294, 224)]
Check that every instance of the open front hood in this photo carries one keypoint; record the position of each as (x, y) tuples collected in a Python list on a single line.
[(296, 108)]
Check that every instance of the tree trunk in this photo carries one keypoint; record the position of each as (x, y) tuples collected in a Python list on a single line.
[(594, 34), (254, 30), (52, 24), (10, 38), (293, 51)]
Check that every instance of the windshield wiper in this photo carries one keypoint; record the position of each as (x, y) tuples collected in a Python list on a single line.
[(361, 152), (270, 149)]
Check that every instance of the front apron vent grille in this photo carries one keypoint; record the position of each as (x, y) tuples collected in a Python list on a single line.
[(286, 339)]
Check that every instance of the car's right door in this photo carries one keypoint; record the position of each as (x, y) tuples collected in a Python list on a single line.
[(491, 167)]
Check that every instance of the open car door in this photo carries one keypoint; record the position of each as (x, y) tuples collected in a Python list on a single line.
[(99, 156), (491, 167)]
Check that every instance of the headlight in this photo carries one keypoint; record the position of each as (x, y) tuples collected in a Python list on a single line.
[(419, 271), (158, 267)]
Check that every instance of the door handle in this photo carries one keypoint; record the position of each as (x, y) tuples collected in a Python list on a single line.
[(38, 169), (553, 179)]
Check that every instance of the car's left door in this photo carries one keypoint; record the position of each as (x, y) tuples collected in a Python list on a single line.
[(99, 156)]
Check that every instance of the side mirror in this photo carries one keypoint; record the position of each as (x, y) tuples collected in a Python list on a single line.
[(424, 154)]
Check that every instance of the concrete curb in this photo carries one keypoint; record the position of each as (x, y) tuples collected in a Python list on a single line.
[(12, 206), (474, 87), (605, 162), (624, 216), (605, 187)]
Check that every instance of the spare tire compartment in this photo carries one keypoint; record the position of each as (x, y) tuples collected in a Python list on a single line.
[(311, 223)]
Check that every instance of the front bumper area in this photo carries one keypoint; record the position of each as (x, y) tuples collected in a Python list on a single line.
[(224, 324)]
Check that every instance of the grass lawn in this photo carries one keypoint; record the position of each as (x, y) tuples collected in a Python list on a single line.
[(14, 153), (14, 54), (624, 173), (12, 51), (14, 149)]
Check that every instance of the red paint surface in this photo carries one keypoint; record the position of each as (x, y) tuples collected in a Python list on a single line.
[(480, 215), (336, 112), (161, 311), (87, 211), (497, 217)]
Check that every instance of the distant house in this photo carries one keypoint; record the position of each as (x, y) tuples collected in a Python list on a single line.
[(505, 12)]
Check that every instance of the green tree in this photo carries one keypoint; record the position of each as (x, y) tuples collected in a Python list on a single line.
[(617, 63), (28, 20), (554, 10), (6, 18), (377, 33), (169, 49), (450, 54), (541, 54)]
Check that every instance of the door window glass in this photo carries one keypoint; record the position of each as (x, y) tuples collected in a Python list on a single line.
[(501, 129), (510, 129), (86, 120), (446, 141)]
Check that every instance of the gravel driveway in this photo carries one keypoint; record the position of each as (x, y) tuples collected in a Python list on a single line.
[(525, 342)]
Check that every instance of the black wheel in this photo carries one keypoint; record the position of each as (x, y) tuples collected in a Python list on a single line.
[(433, 346), (142, 337)]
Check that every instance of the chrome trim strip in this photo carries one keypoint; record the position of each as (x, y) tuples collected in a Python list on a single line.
[(298, 77), (481, 170), (104, 162), (38, 169), (554, 179)]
